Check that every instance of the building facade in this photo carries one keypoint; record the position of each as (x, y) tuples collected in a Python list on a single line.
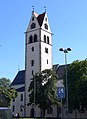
[(38, 55)]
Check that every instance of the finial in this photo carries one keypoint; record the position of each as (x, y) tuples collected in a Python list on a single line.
[(33, 8), (45, 8)]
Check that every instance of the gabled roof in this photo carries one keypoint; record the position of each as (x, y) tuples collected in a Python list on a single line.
[(22, 89), (20, 78), (60, 70), (40, 18)]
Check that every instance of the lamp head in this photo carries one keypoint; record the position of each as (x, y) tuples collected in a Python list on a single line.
[(61, 49), (69, 49)]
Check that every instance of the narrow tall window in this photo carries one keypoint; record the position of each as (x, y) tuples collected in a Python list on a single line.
[(35, 38), (32, 72), (13, 108), (30, 39), (45, 19), (13, 99), (47, 39), (21, 97), (32, 18), (32, 62), (44, 38), (32, 49), (47, 61), (46, 26)]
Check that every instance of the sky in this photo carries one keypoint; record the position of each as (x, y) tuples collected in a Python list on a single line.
[(68, 22)]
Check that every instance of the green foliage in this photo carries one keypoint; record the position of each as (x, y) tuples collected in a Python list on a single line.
[(46, 90), (6, 93), (77, 84)]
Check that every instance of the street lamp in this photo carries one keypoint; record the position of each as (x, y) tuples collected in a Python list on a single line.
[(65, 52)]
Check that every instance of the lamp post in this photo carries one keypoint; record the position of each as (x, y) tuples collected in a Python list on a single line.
[(65, 52)]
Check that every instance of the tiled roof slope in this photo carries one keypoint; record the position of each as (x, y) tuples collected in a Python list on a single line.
[(40, 18), (22, 89), (20, 78)]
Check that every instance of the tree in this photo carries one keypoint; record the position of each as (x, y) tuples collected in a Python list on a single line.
[(46, 90), (6, 92), (77, 84)]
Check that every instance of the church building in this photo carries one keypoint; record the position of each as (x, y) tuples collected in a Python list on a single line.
[(38, 57)]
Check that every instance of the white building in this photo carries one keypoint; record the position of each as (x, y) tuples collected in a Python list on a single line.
[(38, 56)]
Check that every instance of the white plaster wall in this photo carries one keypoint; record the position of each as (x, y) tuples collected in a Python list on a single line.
[(36, 56), (44, 55), (47, 22)]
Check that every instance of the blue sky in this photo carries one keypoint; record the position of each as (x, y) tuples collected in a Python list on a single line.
[(68, 21)]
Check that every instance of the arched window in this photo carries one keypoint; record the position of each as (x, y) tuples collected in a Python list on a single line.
[(33, 25), (44, 38), (30, 39), (35, 38), (46, 26), (47, 39), (32, 49), (32, 18)]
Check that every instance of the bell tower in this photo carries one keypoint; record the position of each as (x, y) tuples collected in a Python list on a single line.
[(38, 51)]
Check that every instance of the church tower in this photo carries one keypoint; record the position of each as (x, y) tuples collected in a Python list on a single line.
[(38, 51)]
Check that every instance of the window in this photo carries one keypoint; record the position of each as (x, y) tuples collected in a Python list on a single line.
[(32, 72), (32, 62), (32, 49), (32, 18), (46, 50), (30, 39), (13, 108), (35, 38), (46, 26), (47, 39), (13, 99), (45, 19), (47, 61), (33, 25), (21, 97), (44, 38)]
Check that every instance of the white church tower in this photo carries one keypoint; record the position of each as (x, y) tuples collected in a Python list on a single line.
[(38, 51)]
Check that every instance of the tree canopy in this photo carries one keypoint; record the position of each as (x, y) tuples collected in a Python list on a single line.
[(77, 84), (46, 90), (6, 92)]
